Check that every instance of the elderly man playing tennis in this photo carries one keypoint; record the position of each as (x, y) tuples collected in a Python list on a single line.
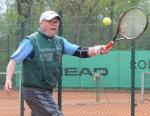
[(41, 55)]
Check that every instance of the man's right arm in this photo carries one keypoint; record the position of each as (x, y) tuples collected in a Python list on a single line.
[(24, 50), (9, 74)]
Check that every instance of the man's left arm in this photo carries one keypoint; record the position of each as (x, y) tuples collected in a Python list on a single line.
[(84, 52)]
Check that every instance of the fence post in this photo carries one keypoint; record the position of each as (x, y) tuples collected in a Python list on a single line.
[(133, 77), (60, 32), (21, 96)]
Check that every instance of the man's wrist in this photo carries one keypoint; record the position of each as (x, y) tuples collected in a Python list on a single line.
[(97, 49), (8, 81)]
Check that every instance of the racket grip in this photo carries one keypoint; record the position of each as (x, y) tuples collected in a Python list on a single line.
[(109, 45)]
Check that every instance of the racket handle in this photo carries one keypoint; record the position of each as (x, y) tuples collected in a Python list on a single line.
[(109, 45)]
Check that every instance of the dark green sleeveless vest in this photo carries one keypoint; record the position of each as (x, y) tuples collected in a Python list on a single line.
[(43, 70)]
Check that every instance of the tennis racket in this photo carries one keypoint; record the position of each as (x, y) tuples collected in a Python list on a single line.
[(131, 25)]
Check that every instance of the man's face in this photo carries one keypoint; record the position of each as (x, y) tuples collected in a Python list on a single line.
[(50, 27)]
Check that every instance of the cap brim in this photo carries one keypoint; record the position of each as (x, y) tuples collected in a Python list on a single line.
[(51, 17)]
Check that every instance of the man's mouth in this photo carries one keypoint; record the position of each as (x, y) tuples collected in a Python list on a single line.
[(54, 29)]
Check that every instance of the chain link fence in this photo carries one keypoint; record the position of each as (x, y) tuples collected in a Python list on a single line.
[(97, 86)]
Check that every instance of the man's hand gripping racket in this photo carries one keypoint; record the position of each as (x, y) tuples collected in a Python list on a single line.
[(131, 25)]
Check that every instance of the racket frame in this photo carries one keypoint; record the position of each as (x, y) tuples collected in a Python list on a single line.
[(110, 44), (120, 19)]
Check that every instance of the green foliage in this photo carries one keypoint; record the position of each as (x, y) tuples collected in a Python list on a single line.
[(82, 22)]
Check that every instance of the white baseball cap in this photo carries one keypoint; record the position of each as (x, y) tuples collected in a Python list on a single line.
[(48, 15)]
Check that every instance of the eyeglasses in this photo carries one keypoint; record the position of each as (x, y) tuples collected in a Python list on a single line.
[(53, 21)]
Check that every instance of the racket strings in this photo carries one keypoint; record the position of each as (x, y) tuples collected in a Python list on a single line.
[(133, 23)]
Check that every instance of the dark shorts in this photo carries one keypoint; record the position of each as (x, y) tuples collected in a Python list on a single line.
[(41, 103)]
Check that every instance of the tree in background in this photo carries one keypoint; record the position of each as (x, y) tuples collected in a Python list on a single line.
[(24, 13)]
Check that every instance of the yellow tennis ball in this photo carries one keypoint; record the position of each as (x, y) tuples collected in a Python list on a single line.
[(106, 21)]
